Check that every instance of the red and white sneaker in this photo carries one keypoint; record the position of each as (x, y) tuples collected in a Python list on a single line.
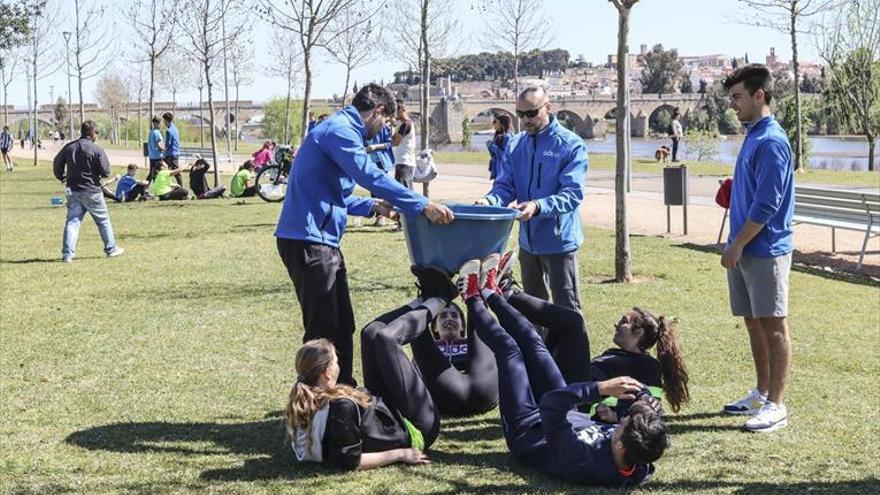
[(469, 279), (489, 273)]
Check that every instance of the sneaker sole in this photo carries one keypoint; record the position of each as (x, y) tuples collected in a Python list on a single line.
[(741, 412), (769, 429)]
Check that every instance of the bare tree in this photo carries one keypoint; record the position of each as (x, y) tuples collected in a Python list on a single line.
[(356, 44), (92, 39), (850, 47), (201, 25), (517, 26), (241, 59), (622, 258), (177, 72), (786, 16), (138, 83), (152, 25), (9, 69), (112, 95), (42, 57), (312, 23), (288, 57)]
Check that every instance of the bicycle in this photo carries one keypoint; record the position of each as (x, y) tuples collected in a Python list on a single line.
[(271, 180)]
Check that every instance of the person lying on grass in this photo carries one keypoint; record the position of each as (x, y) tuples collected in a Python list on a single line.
[(637, 332), (537, 408), (394, 419)]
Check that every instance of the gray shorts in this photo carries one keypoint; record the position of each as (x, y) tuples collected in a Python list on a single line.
[(759, 286)]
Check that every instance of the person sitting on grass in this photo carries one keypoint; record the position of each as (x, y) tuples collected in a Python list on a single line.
[(129, 188), (199, 184), (263, 155), (162, 188), (537, 408), (243, 181), (395, 419), (636, 333)]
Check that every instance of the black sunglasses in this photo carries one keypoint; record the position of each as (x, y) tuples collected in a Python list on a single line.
[(528, 113)]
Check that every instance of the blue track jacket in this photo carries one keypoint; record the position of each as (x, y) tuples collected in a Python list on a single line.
[(320, 190), (550, 168), (578, 449), (763, 189)]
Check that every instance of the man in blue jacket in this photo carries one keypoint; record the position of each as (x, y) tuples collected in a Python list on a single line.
[(543, 170), (172, 144), (328, 165), (758, 251)]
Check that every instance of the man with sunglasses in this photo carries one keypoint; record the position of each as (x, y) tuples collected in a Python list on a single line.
[(330, 162), (542, 171)]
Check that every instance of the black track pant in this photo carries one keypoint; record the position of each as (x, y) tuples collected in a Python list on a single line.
[(319, 277), (458, 393), (566, 334), (388, 372)]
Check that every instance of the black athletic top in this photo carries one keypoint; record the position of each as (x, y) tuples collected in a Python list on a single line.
[(456, 351), (618, 362), (352, 430)]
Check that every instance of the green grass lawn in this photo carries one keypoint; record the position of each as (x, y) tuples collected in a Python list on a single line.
[(166, 370), (712, 169)]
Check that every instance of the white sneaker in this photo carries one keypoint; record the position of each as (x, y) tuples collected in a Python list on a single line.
[(748, 405), (117, 251), (770, 418)]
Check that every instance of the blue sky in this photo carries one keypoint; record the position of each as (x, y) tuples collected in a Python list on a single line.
[(588, 27)]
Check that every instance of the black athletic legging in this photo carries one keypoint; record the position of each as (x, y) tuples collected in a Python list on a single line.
[(457, 393), (566, 334), (388, 372)]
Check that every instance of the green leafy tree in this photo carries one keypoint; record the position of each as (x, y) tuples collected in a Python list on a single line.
[(701, 144), (275, 119), (663, 71), (62, 111), (14, 22), (687, 86), (786, 114)]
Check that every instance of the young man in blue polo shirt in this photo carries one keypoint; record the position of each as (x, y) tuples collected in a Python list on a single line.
[(155, 148), (172, 145), (758, 252), (328, 165)]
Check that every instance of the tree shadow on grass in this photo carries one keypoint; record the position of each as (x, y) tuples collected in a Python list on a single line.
[(816, 263), (866, 486)]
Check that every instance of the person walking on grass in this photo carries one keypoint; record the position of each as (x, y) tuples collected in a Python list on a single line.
[(543, 170), (320, 196), (80, 165), (172, 145), (758, 252), (6, 143)]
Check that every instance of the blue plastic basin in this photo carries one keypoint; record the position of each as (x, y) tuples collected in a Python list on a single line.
[(477, 231)]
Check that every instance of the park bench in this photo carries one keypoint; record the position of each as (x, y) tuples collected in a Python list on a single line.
[(190, 153), (835, 208)]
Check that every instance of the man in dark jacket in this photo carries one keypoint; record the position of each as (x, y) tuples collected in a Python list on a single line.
[(80, 165), (543, 170)]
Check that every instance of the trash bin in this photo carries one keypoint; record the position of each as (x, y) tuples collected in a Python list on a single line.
[(675, 193)]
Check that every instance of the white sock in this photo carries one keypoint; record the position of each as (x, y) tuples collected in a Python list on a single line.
[(434, 305)]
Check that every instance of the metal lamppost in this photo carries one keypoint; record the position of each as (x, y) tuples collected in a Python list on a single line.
[(69, 108)]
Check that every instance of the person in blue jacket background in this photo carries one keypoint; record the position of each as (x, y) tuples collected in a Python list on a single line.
[(538, 410), (330, 162), (498, 143), (543, 170)]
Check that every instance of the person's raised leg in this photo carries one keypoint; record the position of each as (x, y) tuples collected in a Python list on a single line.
[(566, 338), (75, 214)]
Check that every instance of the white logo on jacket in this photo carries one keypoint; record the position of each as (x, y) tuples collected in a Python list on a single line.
[(552, 154)]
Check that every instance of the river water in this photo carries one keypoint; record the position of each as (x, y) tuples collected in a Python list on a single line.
[(834, 153)]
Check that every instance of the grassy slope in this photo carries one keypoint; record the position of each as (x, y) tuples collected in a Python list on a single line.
[(165, 370)]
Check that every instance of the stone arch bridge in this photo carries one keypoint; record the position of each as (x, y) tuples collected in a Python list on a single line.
[(586, 115)]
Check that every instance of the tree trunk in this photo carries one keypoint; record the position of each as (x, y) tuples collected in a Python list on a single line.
[(153, 88), (236, 116), (287, 135), (213, 119), (871, 146), (307, 93), (799, 140), (347, 81), (622, 261), (5, 96), (36, 121), (426, 85)]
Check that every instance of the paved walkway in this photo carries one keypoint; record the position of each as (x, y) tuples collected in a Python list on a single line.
[(647, 214)]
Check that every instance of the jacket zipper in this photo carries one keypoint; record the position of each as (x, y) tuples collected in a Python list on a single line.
[(531, 178), (540, 166)]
